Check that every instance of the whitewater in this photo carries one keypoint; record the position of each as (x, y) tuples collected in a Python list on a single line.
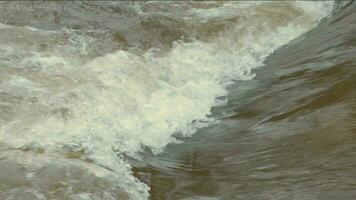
[(69, 107)]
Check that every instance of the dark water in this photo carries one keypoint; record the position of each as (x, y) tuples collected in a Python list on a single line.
[(100, 100)]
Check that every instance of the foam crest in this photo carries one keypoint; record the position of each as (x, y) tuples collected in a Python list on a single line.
[(123, 103)]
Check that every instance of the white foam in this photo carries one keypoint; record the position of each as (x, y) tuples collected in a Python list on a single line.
[(126, 102)]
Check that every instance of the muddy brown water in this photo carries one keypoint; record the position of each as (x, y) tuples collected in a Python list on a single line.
[(288, 133)]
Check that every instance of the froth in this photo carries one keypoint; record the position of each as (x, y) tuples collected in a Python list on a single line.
[(123, 103)]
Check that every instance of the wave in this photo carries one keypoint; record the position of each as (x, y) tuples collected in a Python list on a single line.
[(101, 109)]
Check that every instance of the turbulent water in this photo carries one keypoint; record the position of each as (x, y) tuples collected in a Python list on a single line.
[(177, 100)]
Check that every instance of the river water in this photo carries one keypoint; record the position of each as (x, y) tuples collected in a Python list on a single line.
[(177, 100)]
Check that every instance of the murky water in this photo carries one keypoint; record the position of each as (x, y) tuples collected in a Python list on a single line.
[(177, 100)]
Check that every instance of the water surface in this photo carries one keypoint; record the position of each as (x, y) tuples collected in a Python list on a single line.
[(177, 100)]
